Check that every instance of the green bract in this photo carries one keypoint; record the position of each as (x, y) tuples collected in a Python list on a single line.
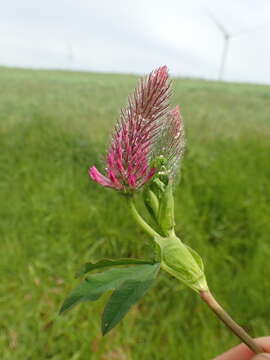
[(166, 211), (182, 262)]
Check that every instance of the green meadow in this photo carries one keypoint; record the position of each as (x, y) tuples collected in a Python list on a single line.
[(53, 126)]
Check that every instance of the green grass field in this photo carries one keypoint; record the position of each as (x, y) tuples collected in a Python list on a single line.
[(53, 126)]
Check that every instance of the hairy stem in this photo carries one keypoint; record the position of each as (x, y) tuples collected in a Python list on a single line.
[(209, 299), (143, 224)]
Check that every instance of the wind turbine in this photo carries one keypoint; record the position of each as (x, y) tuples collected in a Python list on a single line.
[(226, 41), (70, 54)]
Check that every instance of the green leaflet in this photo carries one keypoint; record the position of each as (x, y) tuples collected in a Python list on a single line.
[(109, 262), (128, 294), (94, 286), (141, 276)]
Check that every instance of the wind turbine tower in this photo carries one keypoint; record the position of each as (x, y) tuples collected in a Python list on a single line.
[(226, 41), (70, 55)]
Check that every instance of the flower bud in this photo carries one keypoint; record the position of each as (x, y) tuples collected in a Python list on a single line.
[(182, 262)]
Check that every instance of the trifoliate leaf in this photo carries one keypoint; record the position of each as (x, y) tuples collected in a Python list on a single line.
[(97, 284)]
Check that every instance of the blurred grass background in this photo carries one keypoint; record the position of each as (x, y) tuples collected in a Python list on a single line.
[(53, 126)]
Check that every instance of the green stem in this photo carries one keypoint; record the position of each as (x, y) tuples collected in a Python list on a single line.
[(209, 299), (143, 224)]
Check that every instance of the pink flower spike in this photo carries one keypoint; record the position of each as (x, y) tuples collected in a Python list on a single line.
[(137, 132)]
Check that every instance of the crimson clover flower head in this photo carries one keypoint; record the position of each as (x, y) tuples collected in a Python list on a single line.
[(144, 123)]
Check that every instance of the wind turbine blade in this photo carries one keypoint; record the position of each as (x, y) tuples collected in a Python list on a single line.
[(217, 23), (248, 30)]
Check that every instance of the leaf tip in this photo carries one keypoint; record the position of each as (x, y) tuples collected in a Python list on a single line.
[(61, 311), (105, 329)]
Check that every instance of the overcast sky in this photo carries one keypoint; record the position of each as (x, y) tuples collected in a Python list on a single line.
[(136, 36)]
